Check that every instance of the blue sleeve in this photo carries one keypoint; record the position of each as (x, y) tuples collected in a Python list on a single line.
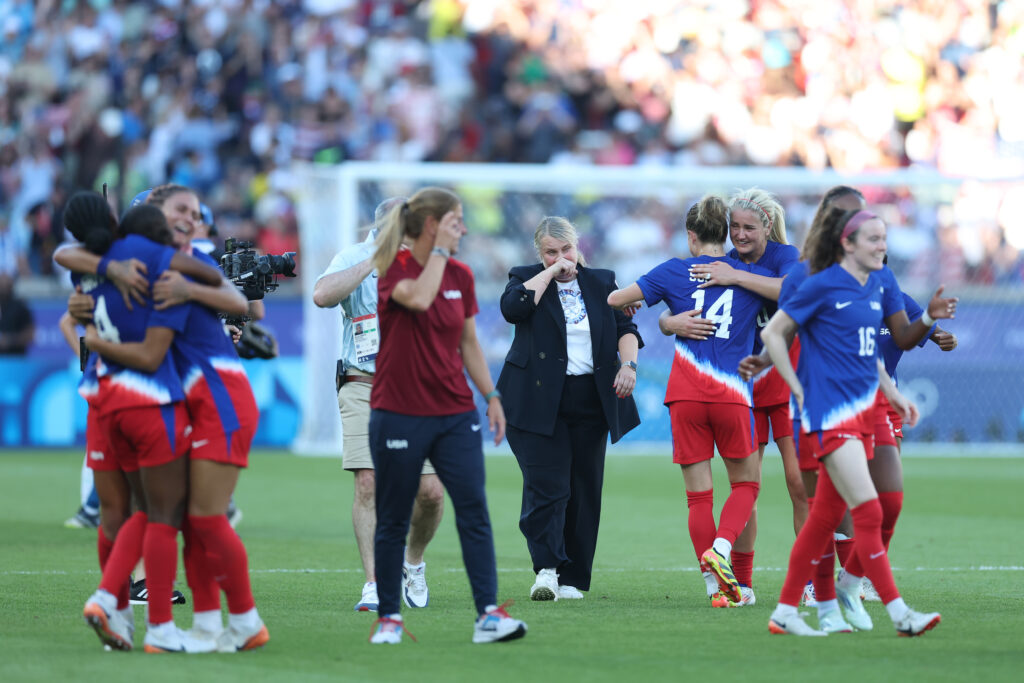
[(806, 302), (914, 311), (892, 295), (786, 257), (205, 258), (794, 278), (654, 285)]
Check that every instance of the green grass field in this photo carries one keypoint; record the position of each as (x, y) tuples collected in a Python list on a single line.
[(957, 549)]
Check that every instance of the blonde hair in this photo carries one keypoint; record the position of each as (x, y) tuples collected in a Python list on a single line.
[(406, 219), (766, 207), (708, 219), (560, 229)]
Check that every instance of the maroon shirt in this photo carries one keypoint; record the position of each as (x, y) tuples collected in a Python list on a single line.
[(419, 365)]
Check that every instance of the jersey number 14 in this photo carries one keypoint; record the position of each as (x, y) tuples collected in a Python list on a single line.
[(720, 312)]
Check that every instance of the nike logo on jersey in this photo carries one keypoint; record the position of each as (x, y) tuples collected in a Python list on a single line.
[(200, 443), (397, 444), (475, 428), (841, 306), (878, 554)]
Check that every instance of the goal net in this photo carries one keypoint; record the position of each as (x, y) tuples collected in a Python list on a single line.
[(966, 234)]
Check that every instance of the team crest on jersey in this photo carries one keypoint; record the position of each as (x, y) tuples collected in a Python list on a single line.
[(572, 305), (875, 306)]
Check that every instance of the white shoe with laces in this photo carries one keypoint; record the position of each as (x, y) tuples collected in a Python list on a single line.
[(569, 593), (868, 591), (101, 613), (387, 630), (414, 585), (164, 638), (792, 624), (546, 586), (239, 638), (915, 623), (853, 609), (368, 601), (199, 640), (495, 625), (833, 622), (808, 598)]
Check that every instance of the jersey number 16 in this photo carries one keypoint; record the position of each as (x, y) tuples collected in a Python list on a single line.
[(867, 341)]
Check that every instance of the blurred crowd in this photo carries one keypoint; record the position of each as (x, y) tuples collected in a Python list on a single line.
[(223, 95)]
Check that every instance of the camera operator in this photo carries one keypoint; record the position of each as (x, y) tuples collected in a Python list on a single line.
[(351, 282)]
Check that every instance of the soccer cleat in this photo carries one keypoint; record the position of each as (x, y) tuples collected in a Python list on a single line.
[(747, 598), (841, 573), (388, 630), (569, 593), (139, 594), (808, 598), (199, 640), (915, 623), (719, 600), (101, 613), (414, 585), (368, 601), (868, 591), (83, 519), (793, 625), (495, 625), (546, 586), (722, 569), (853, 609), (235, 639), (163, 638), (833, 622)]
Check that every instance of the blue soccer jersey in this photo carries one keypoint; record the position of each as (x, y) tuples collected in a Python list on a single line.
[(707, 370), (839, 320), (205, 356), (891, 353), (122, 387), (777, 259)]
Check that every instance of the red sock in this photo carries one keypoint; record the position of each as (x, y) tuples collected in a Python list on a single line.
[(198, 573), (892, 504), (737, 509), (123, 557), (813, 538), (701, 519), (844, 546), (227, 558), (824, 576), (867, 530), (160, 554), (103, 547), (743, 567)]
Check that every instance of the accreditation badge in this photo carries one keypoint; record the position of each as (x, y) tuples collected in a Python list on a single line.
[(367, 337)]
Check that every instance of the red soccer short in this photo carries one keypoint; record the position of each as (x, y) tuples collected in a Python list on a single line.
[(698, 427), (806, 449), (861, 427), (885, 433), (147, 436), (209, 440), (897, 424), (99, 456), (778, 416)]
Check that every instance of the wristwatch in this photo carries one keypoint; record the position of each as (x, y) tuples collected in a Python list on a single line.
[(441, 251), (630, 364)]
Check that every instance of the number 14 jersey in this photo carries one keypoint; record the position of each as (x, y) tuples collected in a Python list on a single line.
[(707, 370)]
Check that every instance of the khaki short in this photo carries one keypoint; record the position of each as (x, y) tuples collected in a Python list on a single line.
[(354, 404)]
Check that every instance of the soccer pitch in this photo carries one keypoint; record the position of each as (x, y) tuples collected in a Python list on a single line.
[(957, 549)]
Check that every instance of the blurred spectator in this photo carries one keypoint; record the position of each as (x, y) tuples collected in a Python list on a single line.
[(16, 324)]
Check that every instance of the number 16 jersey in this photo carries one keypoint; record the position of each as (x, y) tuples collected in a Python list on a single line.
[(707, 370)]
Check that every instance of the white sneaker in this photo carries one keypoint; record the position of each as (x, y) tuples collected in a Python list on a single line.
[(199, 640), (414, 585), (101, 613), (369, 601), (747, 598), (163, 638), (868, 591), (853, 609), (569, 593), (915, 623), (793, 625), (808, 598), (388, 630), (238, 639), (833, 622), (495, 625), (546, 586)]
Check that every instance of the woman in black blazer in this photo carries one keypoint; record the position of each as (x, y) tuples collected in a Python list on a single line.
[(566, 384)]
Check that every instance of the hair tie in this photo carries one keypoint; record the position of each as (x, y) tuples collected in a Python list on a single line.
[(751, 203), (856, 220), (405, 206)]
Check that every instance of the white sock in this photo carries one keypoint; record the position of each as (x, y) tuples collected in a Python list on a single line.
[(421, 565), (246, 621), (840, 536), (723, 547), (160, 627), (209, 620), (710, 583), (826, 606), (897, 609)]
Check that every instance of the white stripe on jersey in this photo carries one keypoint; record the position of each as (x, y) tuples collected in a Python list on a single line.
[(705, 368), (141, 385), (191, 378), (847, 411), (224, 364)]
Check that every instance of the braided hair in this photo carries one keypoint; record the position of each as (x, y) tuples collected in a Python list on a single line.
[(90, 220)]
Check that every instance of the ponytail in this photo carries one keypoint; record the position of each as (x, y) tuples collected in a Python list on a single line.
[(824, 246), (407, 219)]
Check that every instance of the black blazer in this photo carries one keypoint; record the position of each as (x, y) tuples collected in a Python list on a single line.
[(534, 372)]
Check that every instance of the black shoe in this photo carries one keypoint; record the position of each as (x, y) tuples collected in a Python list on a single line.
[(139, 594)]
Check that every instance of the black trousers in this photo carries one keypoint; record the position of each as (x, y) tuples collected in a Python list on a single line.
[(562, 479)]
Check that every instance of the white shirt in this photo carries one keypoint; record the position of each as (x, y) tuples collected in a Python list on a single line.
[(577, 329)]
